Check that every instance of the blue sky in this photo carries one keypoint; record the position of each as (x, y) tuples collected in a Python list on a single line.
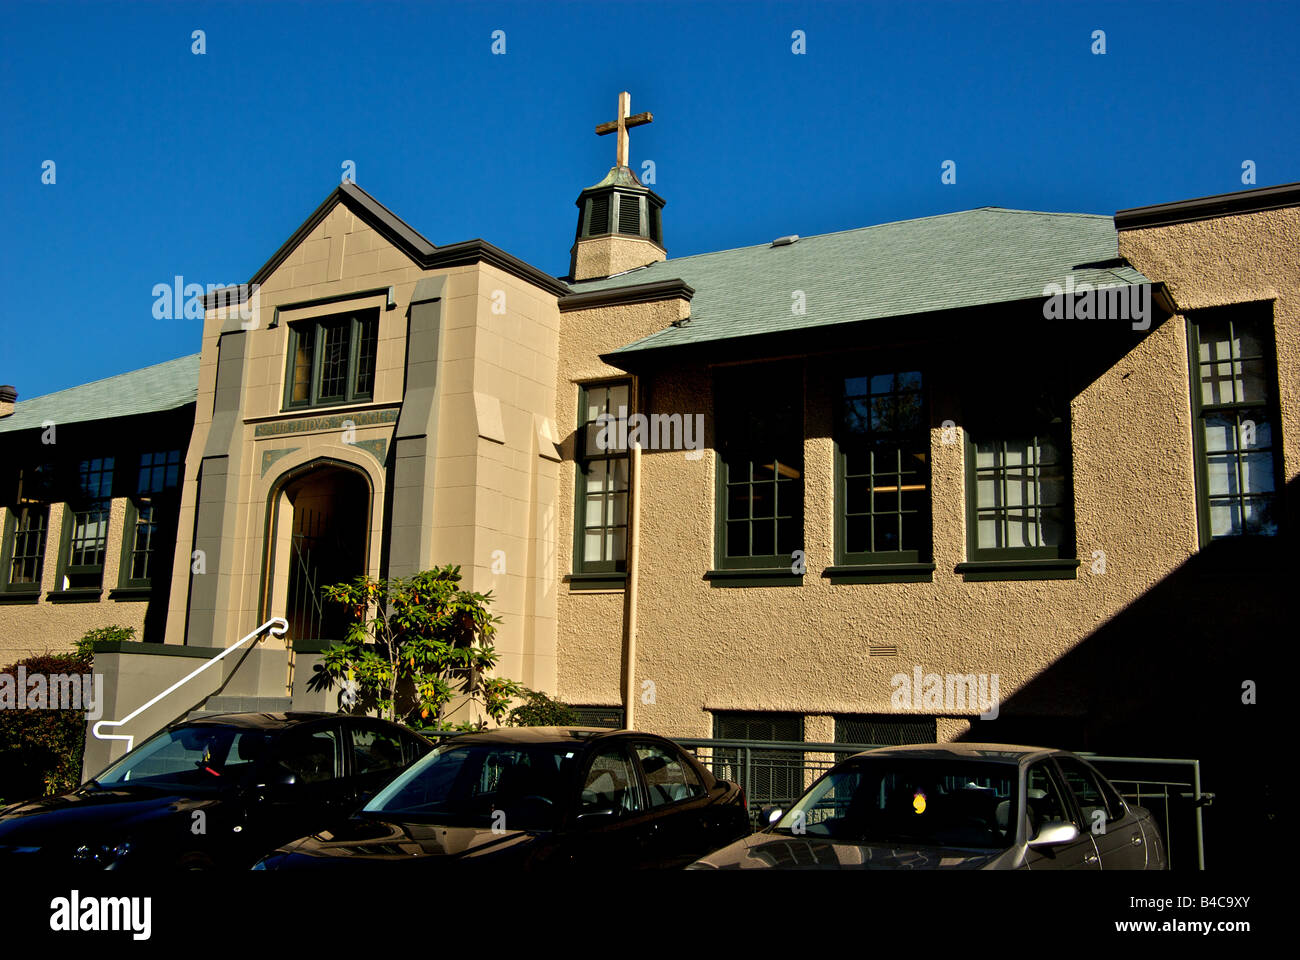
[(169, 163)]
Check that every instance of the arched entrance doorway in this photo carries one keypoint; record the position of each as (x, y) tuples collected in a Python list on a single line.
[(321, 520)]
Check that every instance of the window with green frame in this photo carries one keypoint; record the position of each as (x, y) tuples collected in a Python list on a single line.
[(600, 501), (24, 547), (1019, 491), (759, 420), (85, 526), (1234, 405), (332, 360), (882, 494), (159, 476)]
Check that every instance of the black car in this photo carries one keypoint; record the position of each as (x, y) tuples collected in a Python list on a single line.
[(213, 792), (537, 798)]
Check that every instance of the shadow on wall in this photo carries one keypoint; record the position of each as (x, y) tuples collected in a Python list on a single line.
[(1166, 677)]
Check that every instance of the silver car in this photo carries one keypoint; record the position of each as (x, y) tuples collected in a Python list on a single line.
[(963, 806)]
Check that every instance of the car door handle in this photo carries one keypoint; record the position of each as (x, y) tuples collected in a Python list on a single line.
[(1136, 840), (1090, 858)]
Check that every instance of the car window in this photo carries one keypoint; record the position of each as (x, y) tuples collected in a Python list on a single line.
[(198, 756), (375, 749), (1097, 807), (1043, 800), (667, 777), (311, 756), (610, 784)]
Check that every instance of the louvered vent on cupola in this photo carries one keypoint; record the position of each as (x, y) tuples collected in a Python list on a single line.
[(629, 214), (598, 221)]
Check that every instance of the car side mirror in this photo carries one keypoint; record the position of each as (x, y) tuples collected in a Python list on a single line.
[(596, 818), (769, 816), (1054, 833)]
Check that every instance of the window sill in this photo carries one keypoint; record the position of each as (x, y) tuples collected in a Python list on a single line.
[(84, 595), (881, 573), (596, 581), (976, 571), (754, 577), (20, 596), (131, 593)]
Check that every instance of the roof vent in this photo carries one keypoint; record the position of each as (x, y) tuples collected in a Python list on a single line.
[(786, 241)]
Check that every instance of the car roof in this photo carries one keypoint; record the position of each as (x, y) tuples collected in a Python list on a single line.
[(1000, 752), (257, 721), (545, 734)]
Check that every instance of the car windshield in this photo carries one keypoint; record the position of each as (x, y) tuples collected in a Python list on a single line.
[(204, 758), (911, 801), (510, 786)]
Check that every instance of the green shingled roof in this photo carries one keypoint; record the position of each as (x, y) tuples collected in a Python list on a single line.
[(984, 256), (164, 386)]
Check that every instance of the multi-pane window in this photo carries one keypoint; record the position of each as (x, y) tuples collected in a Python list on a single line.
[(600, 507), (1019, 491), (144, 529), (883, 494), (159, 471), (759, 415), (87, 525), (332, 359), (1020, 498), (26, 546), (1235, 409)]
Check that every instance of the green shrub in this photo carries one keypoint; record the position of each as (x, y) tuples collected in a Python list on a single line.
[(539, 710), (41, 750)]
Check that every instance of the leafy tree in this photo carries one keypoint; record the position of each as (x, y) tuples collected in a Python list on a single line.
[(413, 645), (539, 710)]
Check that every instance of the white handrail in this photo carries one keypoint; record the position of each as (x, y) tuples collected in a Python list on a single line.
[(277, 626)]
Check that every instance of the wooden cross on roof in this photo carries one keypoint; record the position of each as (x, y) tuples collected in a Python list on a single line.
[(623, 124)]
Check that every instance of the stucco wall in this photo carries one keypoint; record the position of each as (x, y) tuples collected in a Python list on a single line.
[(590, 623), (28, 629), (805, 648), (1236, 259)]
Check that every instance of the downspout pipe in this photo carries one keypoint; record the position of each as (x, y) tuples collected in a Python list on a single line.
[(630, 590)]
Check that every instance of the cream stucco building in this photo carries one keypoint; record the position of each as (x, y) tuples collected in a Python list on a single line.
[(1054, 452)]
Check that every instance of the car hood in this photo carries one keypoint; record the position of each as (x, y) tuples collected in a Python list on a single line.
[(784, 851), (84, 814), (365, 839)]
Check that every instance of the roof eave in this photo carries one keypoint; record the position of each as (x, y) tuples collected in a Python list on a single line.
[(1208, 208)]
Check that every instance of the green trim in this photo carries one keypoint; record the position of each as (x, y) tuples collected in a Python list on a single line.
[(156, 649), (981, 556), (125, 583), (131, 593), (976, 571), (752, 577), (1201, 464), (886, 560), (81, 595), (317, 324), (315, 645), (881, 573), (583, 569), (596, 581), (20, 592)]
